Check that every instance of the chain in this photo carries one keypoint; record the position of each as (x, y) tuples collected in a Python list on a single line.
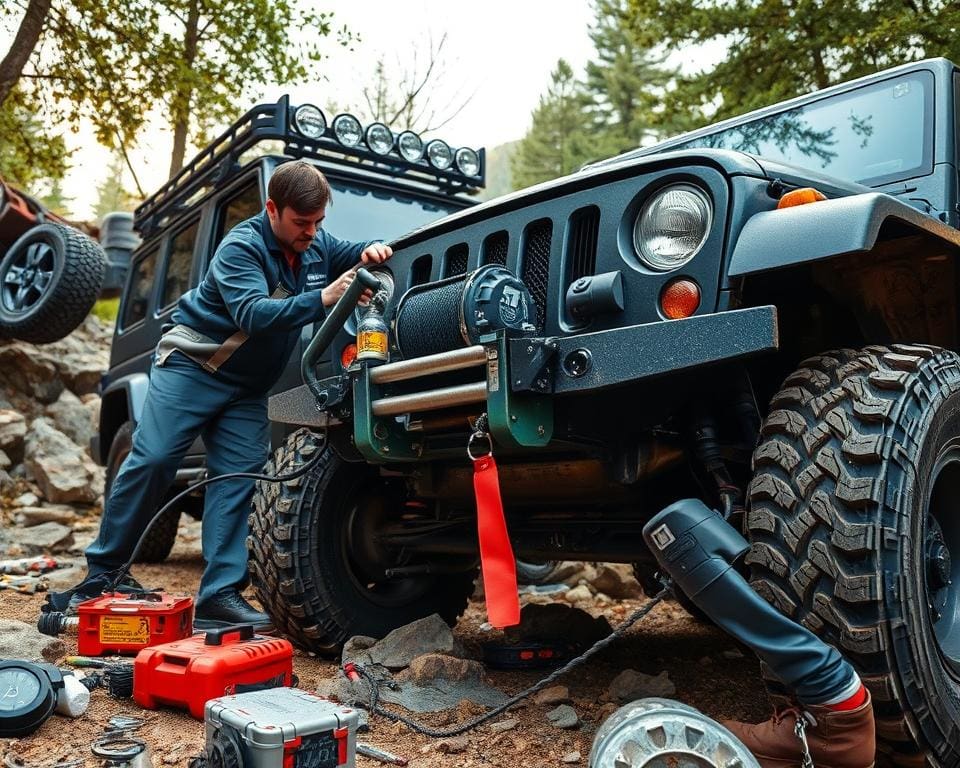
[(800, 729), (434, 733)]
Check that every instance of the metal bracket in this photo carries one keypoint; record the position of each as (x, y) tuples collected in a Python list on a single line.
[(532, 364)]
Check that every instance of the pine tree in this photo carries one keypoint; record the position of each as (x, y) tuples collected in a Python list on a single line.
[(112, 195)]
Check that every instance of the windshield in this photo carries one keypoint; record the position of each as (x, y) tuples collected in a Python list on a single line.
[(362, 213), (874, 135)]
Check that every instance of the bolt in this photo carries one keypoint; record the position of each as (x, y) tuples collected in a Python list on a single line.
[(530, 350), (513, 418), (386, 449), (519, 382), (540, 430)]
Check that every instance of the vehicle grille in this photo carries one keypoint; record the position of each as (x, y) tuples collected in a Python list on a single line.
[(536, 265), (495, 249), (582, 243), (455, 262), (420, 270)]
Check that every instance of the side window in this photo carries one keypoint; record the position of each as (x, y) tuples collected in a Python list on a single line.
[(242, 205), (141, 285), (177, 280)]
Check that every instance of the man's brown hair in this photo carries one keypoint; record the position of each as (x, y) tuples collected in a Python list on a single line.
[(300, 185)]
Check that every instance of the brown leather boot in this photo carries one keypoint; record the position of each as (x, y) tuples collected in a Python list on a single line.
[(843, 739)]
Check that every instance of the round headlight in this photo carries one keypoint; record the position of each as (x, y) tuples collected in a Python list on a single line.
[(379, 138), (347, 129), (309, 121), (439, 155), (468, 161), (410, 146), (672, 227)]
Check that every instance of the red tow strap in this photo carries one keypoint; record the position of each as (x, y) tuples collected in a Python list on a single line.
[(496, 553)]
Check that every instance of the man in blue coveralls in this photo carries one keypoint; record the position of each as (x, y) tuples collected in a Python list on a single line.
[(232, 338)]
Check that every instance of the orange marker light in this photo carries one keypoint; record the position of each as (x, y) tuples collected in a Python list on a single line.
[(680, 299), (801, 196), (348, 355)]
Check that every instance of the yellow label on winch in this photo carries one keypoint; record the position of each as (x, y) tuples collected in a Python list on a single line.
[(372, 344), (124, 629)]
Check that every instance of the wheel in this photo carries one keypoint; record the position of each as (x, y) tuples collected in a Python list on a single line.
[(854, 531), (163, 533), (536, 573), (49, 281), (315, 561)]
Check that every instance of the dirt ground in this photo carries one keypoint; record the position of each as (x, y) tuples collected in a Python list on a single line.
[(668, 639)]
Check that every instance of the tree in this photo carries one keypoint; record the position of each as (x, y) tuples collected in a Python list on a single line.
[(777, 49), (112, 195), (28, 150), (24, 43), (559, 140)]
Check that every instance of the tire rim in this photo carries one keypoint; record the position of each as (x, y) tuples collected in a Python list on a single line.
[(28, 277), (365, 557), (941, 555)]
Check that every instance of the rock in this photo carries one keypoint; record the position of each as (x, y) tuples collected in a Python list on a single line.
[(583, 574), (30, 516), (732, 653), (616, 580), (5, 461), (567, 569), (43, 539), (454, 745), (30, 371), (21, 641), (578, 594), (555, 694), (630, 685), (425, 669), (563, 716), (13, 428), (404, 644), (73, 418), (505, 725), (605, 711), (570, 758), (549, 623), (26, 500), (355, 649), (63, 471)]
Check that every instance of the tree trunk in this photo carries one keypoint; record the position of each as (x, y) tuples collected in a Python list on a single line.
[(181, 116), (11, 67)]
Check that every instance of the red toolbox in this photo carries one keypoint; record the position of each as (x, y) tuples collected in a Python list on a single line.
[(188, 673), (127, 623)]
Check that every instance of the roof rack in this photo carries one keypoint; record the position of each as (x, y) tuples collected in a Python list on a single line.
[(218, 162)]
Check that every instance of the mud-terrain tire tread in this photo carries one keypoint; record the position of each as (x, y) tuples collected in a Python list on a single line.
[(74, 290), (830, 548)]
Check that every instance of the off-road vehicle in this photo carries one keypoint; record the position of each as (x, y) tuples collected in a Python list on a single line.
[(381, 187), (761, 314)]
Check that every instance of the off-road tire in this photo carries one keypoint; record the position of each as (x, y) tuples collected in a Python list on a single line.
[(839, 527), (163, 533), (73, 267), (300, 555), (536, 573)]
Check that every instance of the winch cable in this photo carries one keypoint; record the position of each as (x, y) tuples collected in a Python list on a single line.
[(594, 649)]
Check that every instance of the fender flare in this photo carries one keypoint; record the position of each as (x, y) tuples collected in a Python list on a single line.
[(817, 231), (121, 401)]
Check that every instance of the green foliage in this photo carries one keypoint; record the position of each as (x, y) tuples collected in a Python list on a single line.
[(106, 309), (29, 150), (778, 49)]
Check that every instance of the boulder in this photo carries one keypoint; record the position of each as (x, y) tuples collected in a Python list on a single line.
[(54, 513), (21, 641), (631, 685), (13, 428), (616, 580), (29, 371), (404, 644), (431, 667), (43, 539), (62, 469), (73, 418)]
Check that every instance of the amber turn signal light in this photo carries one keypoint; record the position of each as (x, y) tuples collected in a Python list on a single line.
[(348, 355), (680, 299), (801, 196)]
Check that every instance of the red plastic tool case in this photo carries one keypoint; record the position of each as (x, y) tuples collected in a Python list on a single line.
[(188, 673), (125, 623)]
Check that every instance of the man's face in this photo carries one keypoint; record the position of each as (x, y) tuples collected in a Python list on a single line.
[(293, 230)]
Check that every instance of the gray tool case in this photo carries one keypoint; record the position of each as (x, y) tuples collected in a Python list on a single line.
[(261, 728)]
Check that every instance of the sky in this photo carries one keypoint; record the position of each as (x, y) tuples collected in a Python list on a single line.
[(499, 52)]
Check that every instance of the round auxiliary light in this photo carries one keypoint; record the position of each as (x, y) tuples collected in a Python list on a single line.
[(672, 226), (348, 130), (410, 146), (309, 121), (379, 138), (680, 299), (439, 154), (468, 161)]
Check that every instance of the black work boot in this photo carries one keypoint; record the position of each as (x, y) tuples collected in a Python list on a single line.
[(226, 608), (94, 586)]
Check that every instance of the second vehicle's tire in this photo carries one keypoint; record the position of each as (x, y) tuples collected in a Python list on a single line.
[(49, 280), (315, 562), (536, 573), (855, 533), (163, 533)]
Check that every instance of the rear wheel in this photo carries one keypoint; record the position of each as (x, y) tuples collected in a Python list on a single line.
[(315, 560), (853, 518)]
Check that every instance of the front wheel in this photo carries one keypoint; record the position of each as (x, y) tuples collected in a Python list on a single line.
[(855, 531), (317, 564)]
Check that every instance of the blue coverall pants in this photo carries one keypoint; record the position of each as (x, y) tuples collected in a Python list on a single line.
[(184, 401)]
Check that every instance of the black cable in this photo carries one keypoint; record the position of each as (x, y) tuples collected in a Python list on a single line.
[(375, 708), (115, 576)]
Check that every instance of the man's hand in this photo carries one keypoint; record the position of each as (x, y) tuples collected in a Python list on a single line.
[(376, 253), (332, 293)]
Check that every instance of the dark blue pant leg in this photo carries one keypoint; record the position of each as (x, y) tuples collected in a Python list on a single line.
[(238, 440), (180, 400)]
